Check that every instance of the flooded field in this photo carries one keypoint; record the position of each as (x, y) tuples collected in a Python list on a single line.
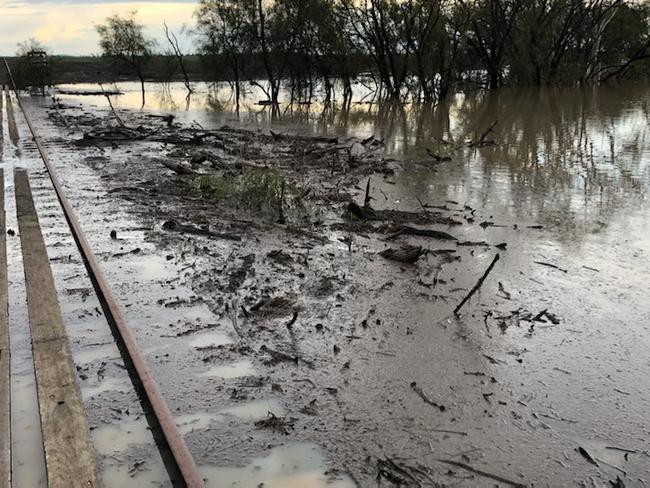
[(295, 355)]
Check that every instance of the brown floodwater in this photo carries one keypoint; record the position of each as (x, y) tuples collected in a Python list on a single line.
[(573, 161), (567, 157)]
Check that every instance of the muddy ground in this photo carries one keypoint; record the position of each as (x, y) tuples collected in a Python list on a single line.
[(272, 331)]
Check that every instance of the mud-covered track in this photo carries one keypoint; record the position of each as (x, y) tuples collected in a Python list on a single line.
[(179, 462)]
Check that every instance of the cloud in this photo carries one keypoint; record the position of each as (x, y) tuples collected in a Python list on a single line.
[(69, 27), (14, 3)]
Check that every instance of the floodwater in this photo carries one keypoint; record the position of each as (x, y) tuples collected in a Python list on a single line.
[(565, 184)]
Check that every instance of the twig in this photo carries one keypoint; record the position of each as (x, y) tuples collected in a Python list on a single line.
[(549, 265), (417, 389), (483, 473), (366, 200), (450, 432), (478, 285), (487, 132), (614, 448), (293, 319), (110, 104)]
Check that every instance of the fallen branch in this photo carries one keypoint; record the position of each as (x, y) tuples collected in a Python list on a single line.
[(478, 285), (495, 477), (482, 139), (417, 389), (110, 104), (179, 168), (414, 231), (437, 157), (173, 226)]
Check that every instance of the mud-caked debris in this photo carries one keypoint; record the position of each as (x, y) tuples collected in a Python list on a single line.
[(277, 306), (310, 408), (406, 254), (279, 256), (283, 425)]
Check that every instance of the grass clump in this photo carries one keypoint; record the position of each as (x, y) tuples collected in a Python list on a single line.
[(260, 189)]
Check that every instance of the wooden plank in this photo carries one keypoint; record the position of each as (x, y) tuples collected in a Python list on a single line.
[(11, 120), (5, 357), (69, 454)]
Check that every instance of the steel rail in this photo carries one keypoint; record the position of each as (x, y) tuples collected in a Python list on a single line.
[(173, 439)]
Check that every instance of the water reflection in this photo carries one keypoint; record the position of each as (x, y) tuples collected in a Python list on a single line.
[(564, 156)]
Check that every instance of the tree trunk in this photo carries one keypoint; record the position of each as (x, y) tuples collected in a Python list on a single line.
[(141, 78)]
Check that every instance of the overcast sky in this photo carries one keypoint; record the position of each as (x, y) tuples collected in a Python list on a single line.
[(68, 26)]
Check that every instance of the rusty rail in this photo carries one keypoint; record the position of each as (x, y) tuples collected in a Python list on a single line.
[(179, 461)]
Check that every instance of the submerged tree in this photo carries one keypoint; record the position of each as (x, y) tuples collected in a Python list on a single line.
[(224, 31), (123, 39), (425, 48)]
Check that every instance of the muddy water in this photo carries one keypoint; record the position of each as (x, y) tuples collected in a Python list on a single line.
[(572, 162)]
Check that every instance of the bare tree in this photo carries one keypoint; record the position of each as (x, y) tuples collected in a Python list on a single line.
[(492, 23), (123, 39), (383, 28), (178, 53), (224, 30)]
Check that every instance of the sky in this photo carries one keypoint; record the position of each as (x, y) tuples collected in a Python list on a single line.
[(68, 26)]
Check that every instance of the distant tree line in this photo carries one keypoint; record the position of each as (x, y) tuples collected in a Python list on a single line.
[(422, 48)]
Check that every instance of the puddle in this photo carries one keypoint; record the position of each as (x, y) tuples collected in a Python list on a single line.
[(26, 448), (136, 235), (148, 268), (233, 370), (113, 439), (210, 339), (255, 410), (123, 475), (293, 466), (249, 411)]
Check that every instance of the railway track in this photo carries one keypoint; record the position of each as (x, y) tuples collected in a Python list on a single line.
[(67, 444)]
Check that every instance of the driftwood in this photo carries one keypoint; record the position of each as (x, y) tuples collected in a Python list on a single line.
[(179, 168), (115, 134), (173, 226), (414, 231), (478, 285), (62, 91)]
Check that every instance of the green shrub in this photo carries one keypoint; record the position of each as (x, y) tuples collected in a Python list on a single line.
[(260, 189)]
